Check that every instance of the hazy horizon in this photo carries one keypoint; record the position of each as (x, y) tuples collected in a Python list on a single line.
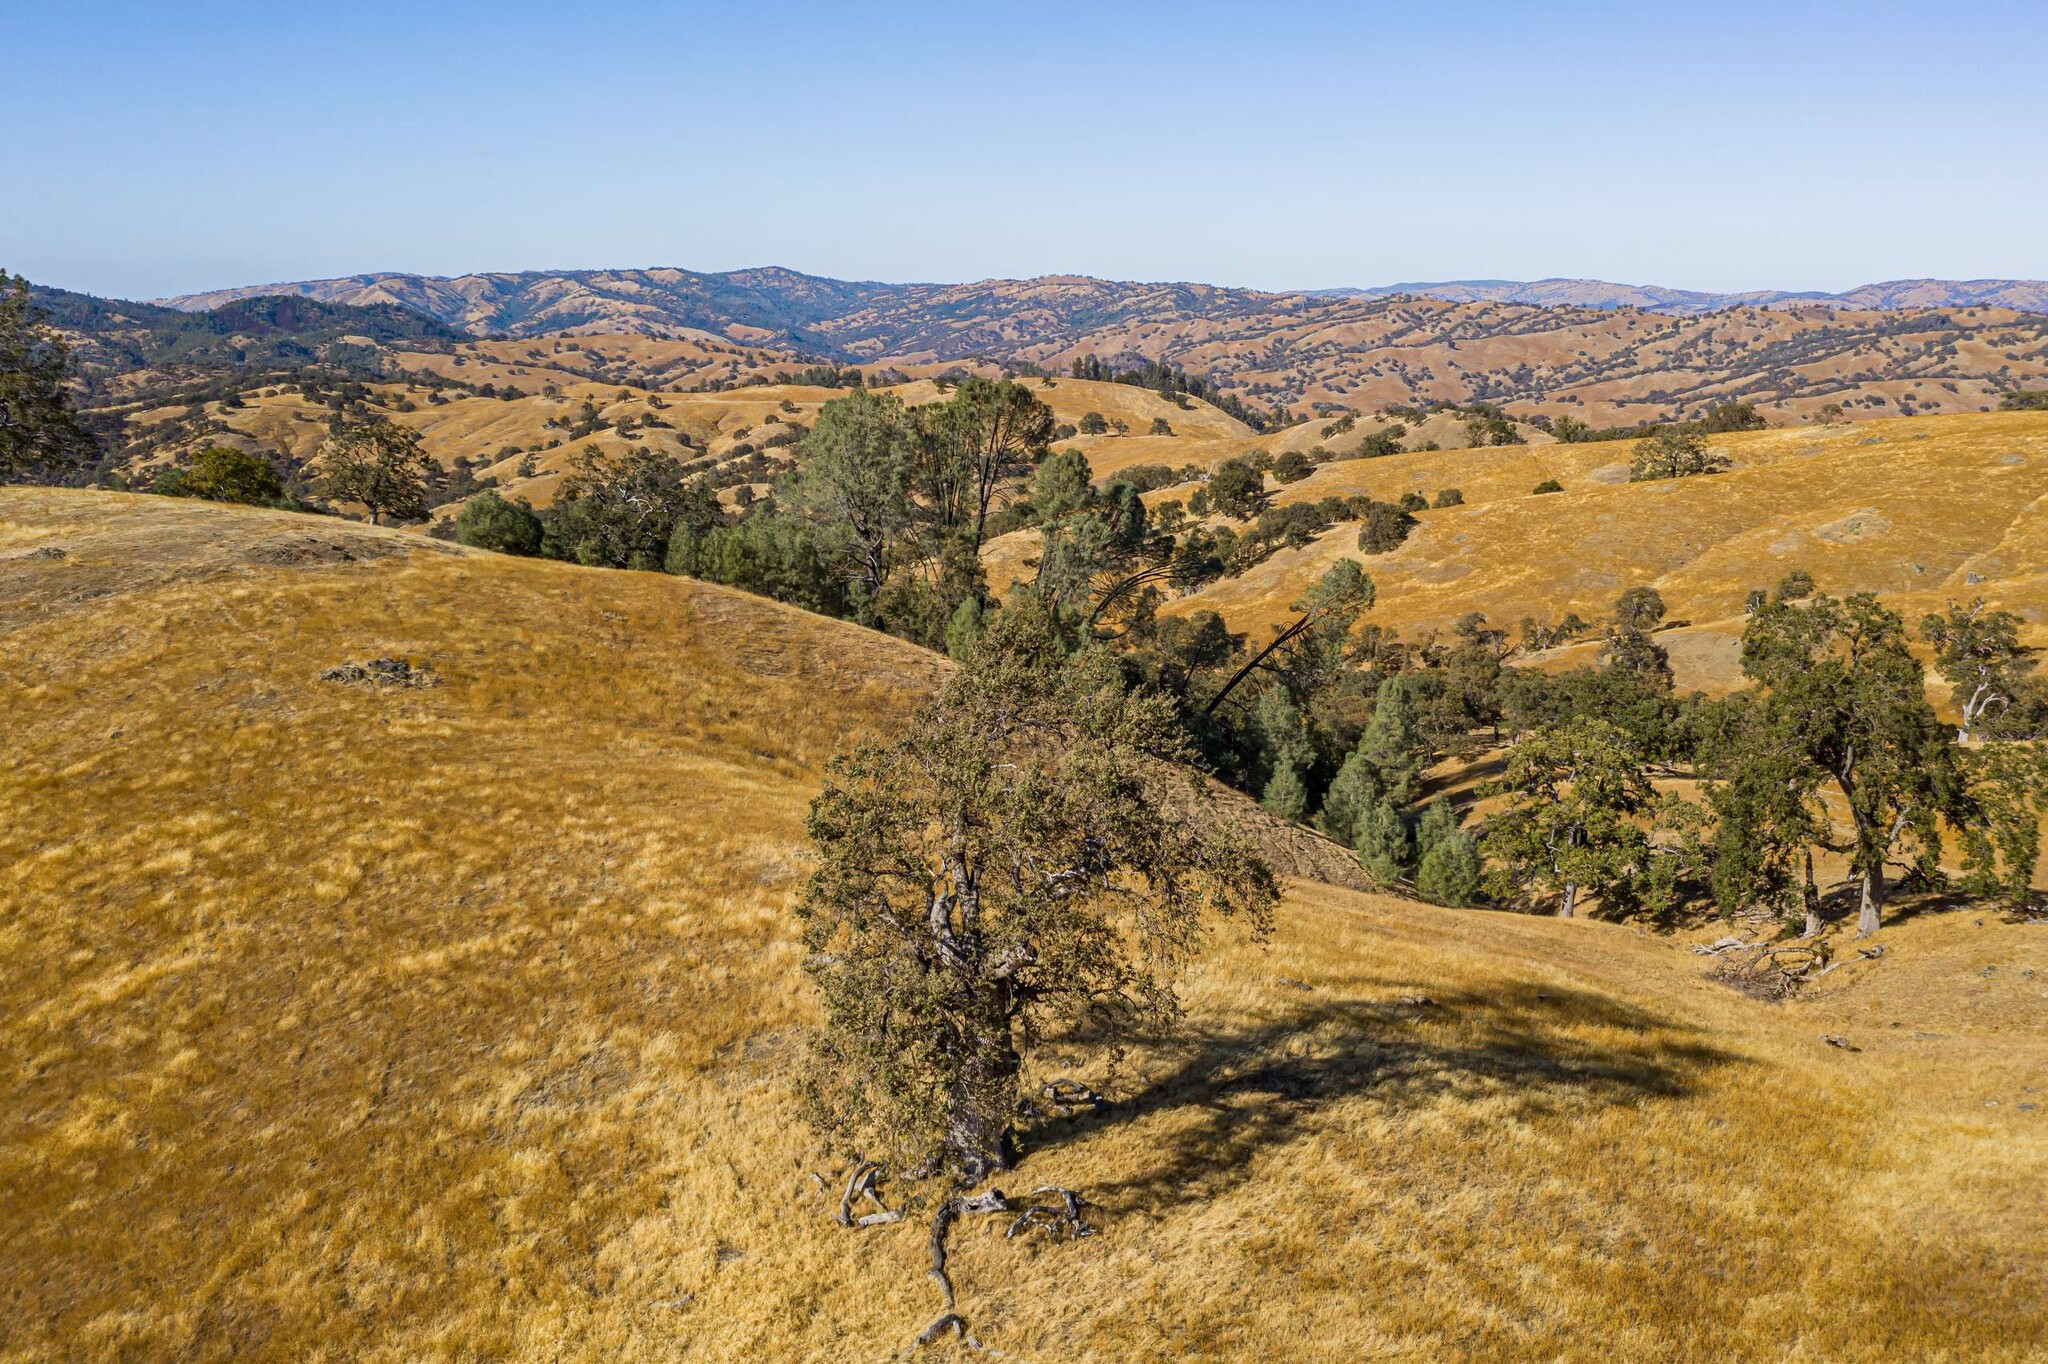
[(1313, 145)]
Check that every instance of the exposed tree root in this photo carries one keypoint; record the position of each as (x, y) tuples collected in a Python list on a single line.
[(860, 1182), (1060, 1220)]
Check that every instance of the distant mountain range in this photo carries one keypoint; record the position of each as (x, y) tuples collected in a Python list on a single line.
[(856, 319), (1603, 353), (2021, 295)]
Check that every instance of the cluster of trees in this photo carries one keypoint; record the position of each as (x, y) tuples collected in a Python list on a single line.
[(1837, 708), (1173, 382), (881, 519), (1721, 417)]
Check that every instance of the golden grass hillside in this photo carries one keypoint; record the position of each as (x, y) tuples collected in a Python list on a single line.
[(460, 1022), (1920, 510)]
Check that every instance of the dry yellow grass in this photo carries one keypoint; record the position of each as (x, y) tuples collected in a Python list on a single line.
[(459, 1023), (1921, 510)]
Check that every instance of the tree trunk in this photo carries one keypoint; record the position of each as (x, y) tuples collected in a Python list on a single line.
[(1811, 899), (983, 1101), (1571, 898), (1873, 900)]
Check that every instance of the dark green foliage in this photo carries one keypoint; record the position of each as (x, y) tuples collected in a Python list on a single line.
[(1439, 822), (1798, 585), (966, 449), (1994, 688), (1639, 608), (1451, 873), (1731, 416), (1150, 477), (506, 525), (617, 511), (1063, 485), (1448, 870), (1381, 841), (1237, 490), (1548, 485), (854, 486), (1490, 426), (1093, 424), (221, 473), (1160, 427), (1449, 497), (768, 552), (1640, 705), (1016, 867), (1386, 526), (1288, 754), (40, 436), (2024, 401), (1292, 467), (1838, 682), (380, 465), (1768, 816), (1578, 804), (1172, 382), (1999, 820), (965, 629), (269, 331)]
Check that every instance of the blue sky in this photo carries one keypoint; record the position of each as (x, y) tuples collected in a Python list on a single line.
[(154, 149)]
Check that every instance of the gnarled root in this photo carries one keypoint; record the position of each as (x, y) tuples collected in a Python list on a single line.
[(860, 1182), (1060, 1221)]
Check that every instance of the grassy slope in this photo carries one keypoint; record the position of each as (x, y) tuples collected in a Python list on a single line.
[(1921, 510), (459, 1023)]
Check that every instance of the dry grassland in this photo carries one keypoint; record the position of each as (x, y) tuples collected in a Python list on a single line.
[(1920, 510), (460, 1023)]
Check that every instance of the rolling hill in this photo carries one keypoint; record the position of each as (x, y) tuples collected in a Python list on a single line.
[(2020, 295), (459, 1021), (1556, 347), (1921, 511)]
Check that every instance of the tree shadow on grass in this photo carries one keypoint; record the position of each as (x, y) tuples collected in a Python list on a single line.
[(1229, 1095)]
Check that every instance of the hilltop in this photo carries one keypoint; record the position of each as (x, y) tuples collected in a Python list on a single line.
[(361, 1023)]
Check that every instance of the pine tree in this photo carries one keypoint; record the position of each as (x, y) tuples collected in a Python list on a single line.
[(1285, 797), (1382, 842), (1288, 752), (1450, 873), (1439, 822), (1344, 805), (1391, 744)]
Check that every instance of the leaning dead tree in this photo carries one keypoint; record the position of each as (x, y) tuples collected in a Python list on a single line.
[(1024, 860)]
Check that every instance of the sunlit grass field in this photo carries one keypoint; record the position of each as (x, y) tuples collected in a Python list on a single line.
[(461, 1022)]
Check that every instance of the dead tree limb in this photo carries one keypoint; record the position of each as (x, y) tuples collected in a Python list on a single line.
[(861, 1179)]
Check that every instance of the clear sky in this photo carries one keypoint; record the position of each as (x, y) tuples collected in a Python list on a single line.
[(155, 148)]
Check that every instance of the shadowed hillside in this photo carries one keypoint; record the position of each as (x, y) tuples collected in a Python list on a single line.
[(352, 1021)]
